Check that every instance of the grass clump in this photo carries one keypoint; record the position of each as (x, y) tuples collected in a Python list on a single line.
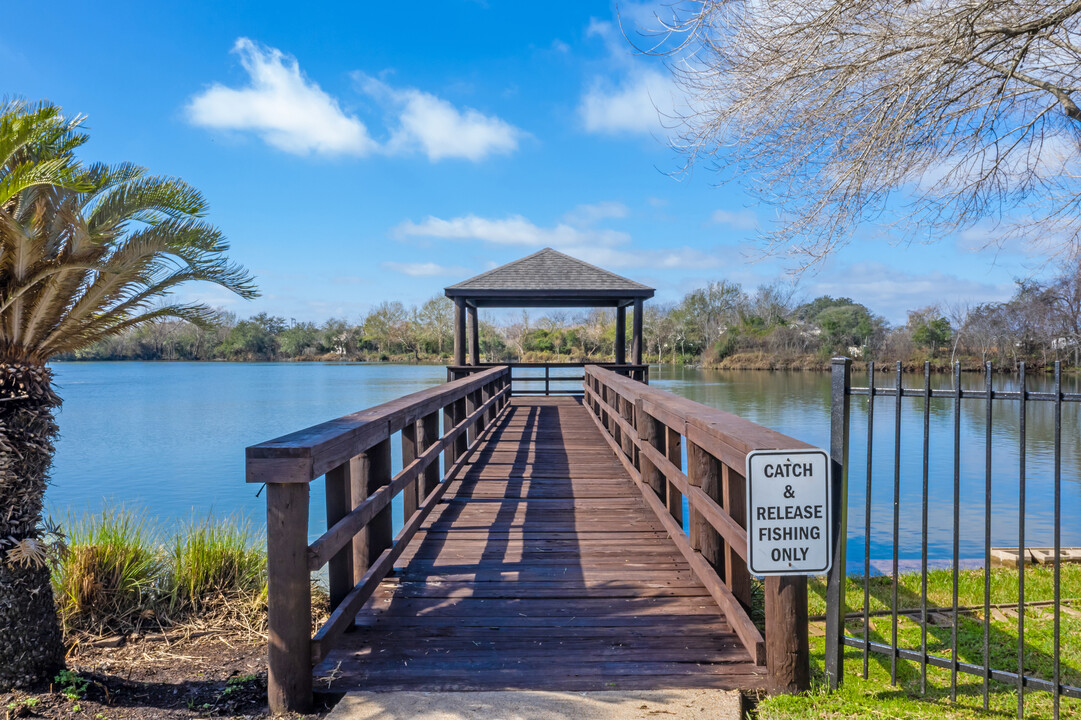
[(214, 562), (118, 575), (110, 575)]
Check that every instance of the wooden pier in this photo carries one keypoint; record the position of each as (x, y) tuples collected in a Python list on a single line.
[(541, 568), (545, 543), (548, 550)]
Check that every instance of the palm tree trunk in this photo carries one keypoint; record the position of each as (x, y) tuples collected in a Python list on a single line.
[(31, 647)]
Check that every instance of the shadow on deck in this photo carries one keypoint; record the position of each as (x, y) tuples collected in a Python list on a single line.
[(542, 567)]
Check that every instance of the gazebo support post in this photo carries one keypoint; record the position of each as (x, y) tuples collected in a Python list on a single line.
[(474, 336), (636, 334), (621, 335), (459, 331)]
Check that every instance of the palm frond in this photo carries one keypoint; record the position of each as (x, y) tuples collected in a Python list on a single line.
[(84, 261)]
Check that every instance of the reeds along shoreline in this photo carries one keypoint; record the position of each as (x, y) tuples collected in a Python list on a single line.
[(120, 573)]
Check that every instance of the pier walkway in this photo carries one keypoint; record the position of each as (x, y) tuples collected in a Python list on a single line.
[(586, 542), (541, 567)]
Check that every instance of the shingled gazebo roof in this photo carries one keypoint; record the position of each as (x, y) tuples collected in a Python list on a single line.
[(549, 278)]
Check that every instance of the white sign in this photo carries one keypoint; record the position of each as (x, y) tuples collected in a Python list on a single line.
[(788, 512)]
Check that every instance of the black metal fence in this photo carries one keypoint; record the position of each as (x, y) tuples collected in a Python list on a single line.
[(986, 406)]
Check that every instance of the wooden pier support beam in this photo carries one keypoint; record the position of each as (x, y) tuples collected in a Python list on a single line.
[(474, 336), (621, 335), (636, 334), (459, 331), (289, 610), (787, 650)]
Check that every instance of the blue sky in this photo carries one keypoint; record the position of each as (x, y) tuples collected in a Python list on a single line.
[(360, 152)]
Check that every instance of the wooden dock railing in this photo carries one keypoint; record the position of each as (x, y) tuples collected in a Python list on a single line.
[(353, 454), (647, 428), (548, 379)]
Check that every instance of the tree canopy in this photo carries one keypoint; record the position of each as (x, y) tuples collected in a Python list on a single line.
[(934, 116)]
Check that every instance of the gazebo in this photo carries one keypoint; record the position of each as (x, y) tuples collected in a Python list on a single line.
[(550, 279)]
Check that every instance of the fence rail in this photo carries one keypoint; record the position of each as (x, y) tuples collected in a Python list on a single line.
[(648, 428), (836, 637), (522, 384), (353, 455)]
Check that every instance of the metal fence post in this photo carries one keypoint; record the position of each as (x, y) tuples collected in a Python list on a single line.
[(841, 371)]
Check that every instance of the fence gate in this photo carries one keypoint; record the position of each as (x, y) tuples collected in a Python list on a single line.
[(932, 485)]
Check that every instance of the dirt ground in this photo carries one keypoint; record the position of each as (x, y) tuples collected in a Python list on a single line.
[(152, 678)]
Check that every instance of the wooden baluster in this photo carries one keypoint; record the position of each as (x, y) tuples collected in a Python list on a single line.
[(650, 432), (451, 453), (427, 436), (289, 609), (470, 408), (373, 472), (339, 502), (699, 465), (674, 453), (409, 454), (461, 443), (735, 502), (626, 408), (708, 473)]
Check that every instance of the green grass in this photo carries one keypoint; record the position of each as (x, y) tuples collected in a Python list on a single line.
[(119, 575), (214, 560), (876, 697), (110, 574)]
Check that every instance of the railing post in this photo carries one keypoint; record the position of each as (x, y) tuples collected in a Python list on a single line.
[(704, 470), (698, 464), (461, 443), (547, 380), (841, 370), (626, 411), (373, 472), (428, 435), (470, 407), (289, 625), (651, 432), (734, 499), (673, 444), (409, 454), (339, 502), (787, 650)]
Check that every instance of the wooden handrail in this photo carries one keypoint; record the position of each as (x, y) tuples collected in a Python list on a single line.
[(353, 455), (304, 455), (715, 543)]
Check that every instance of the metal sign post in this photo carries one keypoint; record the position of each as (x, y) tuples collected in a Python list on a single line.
[(788, 512)]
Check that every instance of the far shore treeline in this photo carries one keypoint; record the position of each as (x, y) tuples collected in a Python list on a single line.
[(721, 325)]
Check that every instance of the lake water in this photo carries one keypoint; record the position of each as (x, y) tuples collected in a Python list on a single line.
[(170, 437)]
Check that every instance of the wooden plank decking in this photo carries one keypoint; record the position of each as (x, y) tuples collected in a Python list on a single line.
[(542, 568)]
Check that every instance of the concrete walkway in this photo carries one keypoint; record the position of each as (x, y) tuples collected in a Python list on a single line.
[(541, 705)]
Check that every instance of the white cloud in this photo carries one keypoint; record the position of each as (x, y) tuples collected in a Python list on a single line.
[(639, 102), (633, 96), (511, 230), (742, 220), (437, 128), (586, 215), (427, 269), (282, 106), (604, 247), (292, 113)]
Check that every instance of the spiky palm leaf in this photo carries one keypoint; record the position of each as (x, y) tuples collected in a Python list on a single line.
[(85, 253)]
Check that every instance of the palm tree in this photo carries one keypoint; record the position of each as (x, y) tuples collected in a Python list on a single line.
[(85, 253)]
